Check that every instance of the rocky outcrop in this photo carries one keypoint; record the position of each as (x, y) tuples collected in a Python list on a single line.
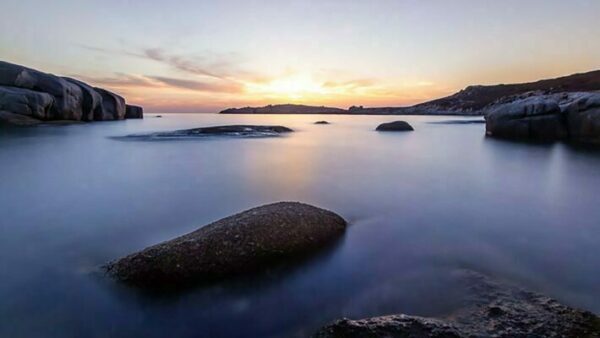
[(92, 104), (543, 117), (582, 113), (26, 102), (113, 106), (491, 309), (229, 131), (12, 119), (47, 97), (395, 126), (134, 112), (245, 242), (321, 122)]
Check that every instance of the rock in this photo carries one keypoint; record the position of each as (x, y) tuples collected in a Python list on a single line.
[(12, 119), (583, 117), (389, 326), (68, 97), (321, 122), (134, 112), (158, 116), (25, 102), (548, 117), (395, 126), (231, 131), (458, 122), (113, 106), (50, 98), (492, 309), (92, 100), (245, 242), (536, 118)]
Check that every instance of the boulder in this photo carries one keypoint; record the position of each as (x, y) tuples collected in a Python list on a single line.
[(12, 119), (245, 242), (113, 106), (68, 97), (547, 117), (321, 122), (134, 112), (92, 100), (26, 102), (536, 118), (583, 117), (395, 126), (492, 309)]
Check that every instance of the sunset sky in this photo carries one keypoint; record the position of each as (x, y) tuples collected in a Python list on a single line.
[(203, 56)]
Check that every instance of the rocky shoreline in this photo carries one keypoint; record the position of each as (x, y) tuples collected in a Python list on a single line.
[(30, 97), (259, 238), (573, 117), (491, 309)]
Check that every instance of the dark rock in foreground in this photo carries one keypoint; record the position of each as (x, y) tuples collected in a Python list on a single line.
[(493, 310), (46, 97), (321, 122), (232, 131), (535, 116), (395, 126), (245, 242)]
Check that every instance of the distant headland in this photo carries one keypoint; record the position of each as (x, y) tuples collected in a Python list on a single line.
[(472, 100)]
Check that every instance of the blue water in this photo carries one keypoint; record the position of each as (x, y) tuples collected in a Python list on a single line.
[(420, 205)]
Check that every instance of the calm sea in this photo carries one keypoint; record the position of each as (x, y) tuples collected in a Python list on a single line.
[(420, 205)]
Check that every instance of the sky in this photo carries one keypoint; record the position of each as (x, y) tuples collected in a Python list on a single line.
[(204, 56)]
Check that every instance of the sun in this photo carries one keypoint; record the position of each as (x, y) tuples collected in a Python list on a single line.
[(294, 88)]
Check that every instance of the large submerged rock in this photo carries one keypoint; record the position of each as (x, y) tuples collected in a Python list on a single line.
[(47, 97), (231, 131), (395, 126), (492, 309), (241, 243), (546, 117)]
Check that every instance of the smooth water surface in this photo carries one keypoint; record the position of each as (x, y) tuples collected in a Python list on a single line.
[(420, 205)]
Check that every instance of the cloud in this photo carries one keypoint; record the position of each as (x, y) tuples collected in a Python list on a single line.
[(124, 81), (219, 66), (220, 87), (119, 80), (351, 84)]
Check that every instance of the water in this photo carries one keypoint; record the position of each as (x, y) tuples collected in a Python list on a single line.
[(420, 205)]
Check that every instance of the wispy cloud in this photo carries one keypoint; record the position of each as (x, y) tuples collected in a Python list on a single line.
[(350, 84), (220, 87), (119, 80), (192, 65), (220, 66)]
